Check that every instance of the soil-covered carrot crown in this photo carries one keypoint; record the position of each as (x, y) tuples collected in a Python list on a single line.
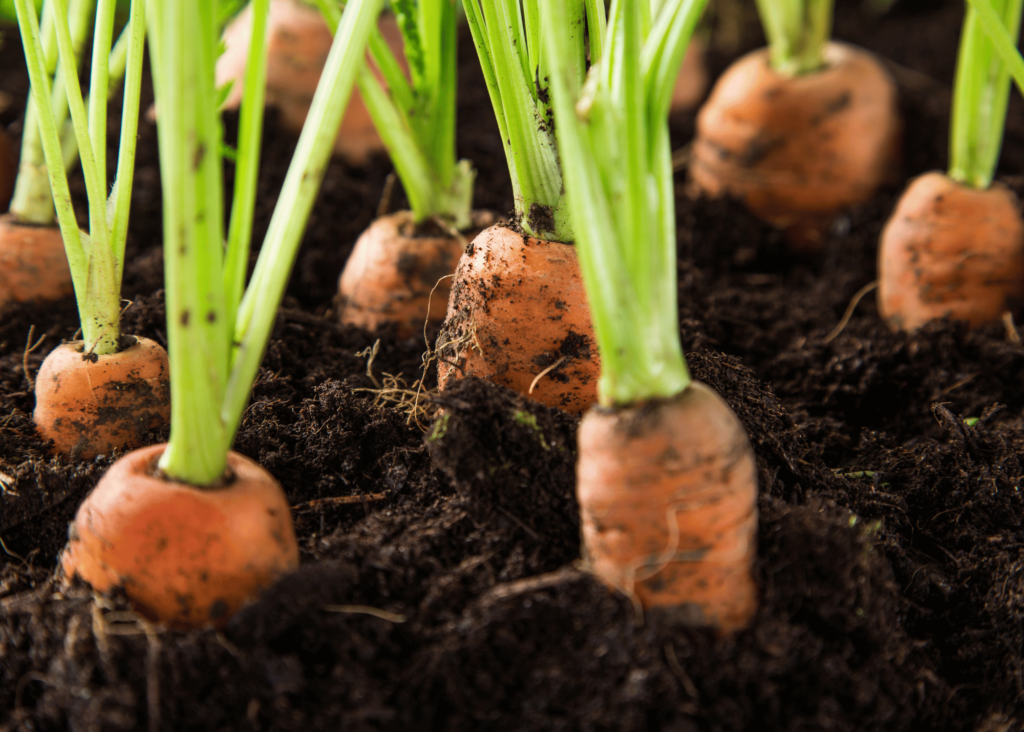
[(96, 259), (216, 333), (614, 143), (515, 65), (797, 32)]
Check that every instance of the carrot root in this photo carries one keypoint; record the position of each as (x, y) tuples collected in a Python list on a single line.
[(392, 274), (90, 405), (185, 556), (33, 264), (518, 307), (798, 150), (950, 250), (668, 502)]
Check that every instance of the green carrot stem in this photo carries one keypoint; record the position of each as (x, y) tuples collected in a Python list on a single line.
[(797, 32), (102, 39), (981, 92)]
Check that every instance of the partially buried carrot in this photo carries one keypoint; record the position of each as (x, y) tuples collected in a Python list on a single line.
[(298, 41), (666, 478), (188, 557), (954, 246), (90, 404), (400, 273), (33, 265), (798, 143), (518, 316)]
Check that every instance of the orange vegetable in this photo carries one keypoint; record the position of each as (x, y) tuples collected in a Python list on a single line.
[(392, 271), (692, 81), (89, 405), (668, 503), (950, 250), (8, 169), (298, 41), (185, 556), (33, 264), (518, 309), (798, 150)]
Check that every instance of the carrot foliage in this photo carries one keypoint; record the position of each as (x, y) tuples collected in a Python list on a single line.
[(797, 32), (614, 143)]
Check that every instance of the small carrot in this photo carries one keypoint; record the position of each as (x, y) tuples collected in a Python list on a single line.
[(518, 316), (90, 404), (187, 557), (396, 276), (799, 131), (298, 41), (33, 265), (666, 478), (954, 246)]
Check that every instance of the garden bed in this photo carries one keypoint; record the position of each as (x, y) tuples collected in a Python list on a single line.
[(439, 587)]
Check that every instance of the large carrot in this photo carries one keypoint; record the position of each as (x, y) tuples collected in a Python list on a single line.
[(298, 42), (954, 246), (666, 479), (190, 530), (403, 262), (799, 131), (546, 349), (86, 408)]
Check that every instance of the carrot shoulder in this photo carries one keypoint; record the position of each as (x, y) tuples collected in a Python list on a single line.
[(33, 263), (89, 404), (798, 150), (668, 502), (398, 276), (518, 316), (950, 250), (187, 556)]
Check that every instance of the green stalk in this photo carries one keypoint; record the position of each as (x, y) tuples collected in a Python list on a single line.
[(797, 32), (614, 142), (32, 202), (512, 62), (1002, 40), (980, 95), (102, 39)]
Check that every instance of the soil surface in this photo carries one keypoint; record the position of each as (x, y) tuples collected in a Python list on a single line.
[(439, 586)]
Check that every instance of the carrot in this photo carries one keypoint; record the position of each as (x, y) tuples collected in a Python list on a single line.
[(692, 82), (298, 41), (8, 169), (950, 250), (666, 478), (33, 265), (798, 149), (188, 556), (394, 273), (954, 246), (90, 404), (667, 493), (518, 316)]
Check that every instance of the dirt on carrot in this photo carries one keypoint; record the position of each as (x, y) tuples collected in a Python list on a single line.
[(33, 263), (798, 150), (89, 405), (951, 251), (402, 274), (518, 315), (186, 556)]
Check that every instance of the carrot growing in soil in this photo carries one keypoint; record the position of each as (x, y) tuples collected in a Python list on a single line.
[(190, 529), (666, 478), (801, 130), (298, 41), (517, 313), (954, 246), (399, 272), (107, 390)]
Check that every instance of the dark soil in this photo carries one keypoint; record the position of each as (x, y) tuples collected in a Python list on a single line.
[(438, 586)]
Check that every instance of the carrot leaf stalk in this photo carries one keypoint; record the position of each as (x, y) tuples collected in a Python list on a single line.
[(614, 142), (95, 258), (982, 91), (216, 344), (797, 32), (507, 40), (416, 118)]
